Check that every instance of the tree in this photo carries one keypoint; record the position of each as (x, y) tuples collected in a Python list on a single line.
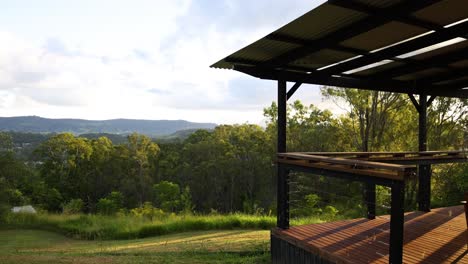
[(64, 167), (167, 196), (372, 114), (446, 117), (137, 160)]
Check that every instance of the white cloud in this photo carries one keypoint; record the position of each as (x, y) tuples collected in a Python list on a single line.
[(143, 63)]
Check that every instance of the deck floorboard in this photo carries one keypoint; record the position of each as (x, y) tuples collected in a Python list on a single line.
[(439, 236)]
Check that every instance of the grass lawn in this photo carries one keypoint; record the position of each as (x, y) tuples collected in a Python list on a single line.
[(231, 246)]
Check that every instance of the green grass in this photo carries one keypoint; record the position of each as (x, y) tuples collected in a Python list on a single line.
[(129, 227), (222, 246)]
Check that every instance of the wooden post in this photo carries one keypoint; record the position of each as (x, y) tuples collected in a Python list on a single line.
[(397, 221), (282, 183), (424, 171), (370, 199)]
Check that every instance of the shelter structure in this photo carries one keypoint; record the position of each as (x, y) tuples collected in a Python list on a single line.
[(418, 48)]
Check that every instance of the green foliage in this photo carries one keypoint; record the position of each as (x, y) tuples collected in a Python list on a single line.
[(74, 206), (167, 196), (15, 197), (106, 206), (231, 168), (4, 206), (186, 201), (53, 200), (6, 142), (131, 227), (309, 206), (111, 204), (330, 211), (116, 198), (148, 211), (450, 182)]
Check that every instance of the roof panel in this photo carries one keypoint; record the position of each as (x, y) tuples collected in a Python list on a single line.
[(452, 81), (440, 51), (379, 3), (460, 64), (264, 50), (322, 58), (378, 69), (444, 12), (321, 21), (421, 74), (383, 36), (333, 36)]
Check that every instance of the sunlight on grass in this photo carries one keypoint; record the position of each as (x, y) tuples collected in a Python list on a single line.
[(129, 227), (228, 246)]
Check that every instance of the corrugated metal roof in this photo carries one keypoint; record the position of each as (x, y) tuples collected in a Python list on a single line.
[(344, 38)]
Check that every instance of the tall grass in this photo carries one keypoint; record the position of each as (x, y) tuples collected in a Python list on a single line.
[(131, 227)]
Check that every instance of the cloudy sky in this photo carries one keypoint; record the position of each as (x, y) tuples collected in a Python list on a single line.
[(145, 59)]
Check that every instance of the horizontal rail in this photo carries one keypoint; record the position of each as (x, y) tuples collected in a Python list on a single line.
[(395, 154), (352, 166), (412, 158), (352, 162)]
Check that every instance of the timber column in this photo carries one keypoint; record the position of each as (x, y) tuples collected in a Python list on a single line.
[(424, 171), (282, 182)]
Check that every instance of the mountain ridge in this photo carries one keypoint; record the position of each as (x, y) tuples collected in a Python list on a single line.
[(122, 126)]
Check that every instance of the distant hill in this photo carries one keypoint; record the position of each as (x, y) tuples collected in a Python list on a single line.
[(154, 128)]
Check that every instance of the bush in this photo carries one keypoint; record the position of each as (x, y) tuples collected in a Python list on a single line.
[(148, 211), (74, 206), (106, 206), (167, 196), (330, 211), (52, 200), (117, 198), (111, 204)]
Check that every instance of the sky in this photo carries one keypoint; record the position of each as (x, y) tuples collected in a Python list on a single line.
[(141, 59)]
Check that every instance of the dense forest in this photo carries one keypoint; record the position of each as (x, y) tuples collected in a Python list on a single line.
[(231, 168)]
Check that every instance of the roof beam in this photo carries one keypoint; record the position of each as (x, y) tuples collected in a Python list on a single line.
[(402, 48), (293, 89), (305, 42), (240, 61), (415, 102), (431, 99), (418, 105), (439, 61), (383, 85), (452, 75), (372, 11), (458, 85), (359, 27)]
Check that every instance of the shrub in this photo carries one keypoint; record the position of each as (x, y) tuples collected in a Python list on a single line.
[(52, 200), (330, 211), (186, 201), (74, 206), (148, 211), (167, 196), (111, 204), (117, 198), (106, 206)]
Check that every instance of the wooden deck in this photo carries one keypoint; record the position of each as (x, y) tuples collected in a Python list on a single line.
[(439, 236)]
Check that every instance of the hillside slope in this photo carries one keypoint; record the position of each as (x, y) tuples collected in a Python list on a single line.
[(35, 124)]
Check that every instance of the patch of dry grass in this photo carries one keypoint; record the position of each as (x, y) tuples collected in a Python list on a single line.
[(227, 246)]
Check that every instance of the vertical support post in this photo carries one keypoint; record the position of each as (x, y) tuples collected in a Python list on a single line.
[(282, 184), (370, 200), (424, 171), (397, 222)]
